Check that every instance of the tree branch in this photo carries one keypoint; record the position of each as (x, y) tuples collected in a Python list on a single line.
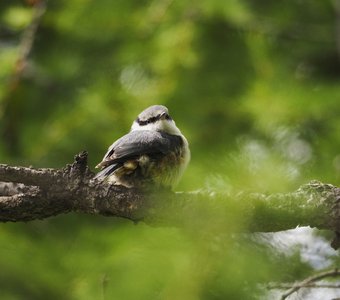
[(309, 282), (10, 102), (40, 193), (285, 286)]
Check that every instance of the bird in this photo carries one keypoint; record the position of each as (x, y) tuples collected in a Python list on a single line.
[(154, 154)]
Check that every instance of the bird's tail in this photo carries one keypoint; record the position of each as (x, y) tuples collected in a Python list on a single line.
[(103, 174)]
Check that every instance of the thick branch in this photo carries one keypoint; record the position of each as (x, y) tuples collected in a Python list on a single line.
[(29, 176), (73, 188)]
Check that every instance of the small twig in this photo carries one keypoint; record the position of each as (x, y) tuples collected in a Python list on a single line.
[(9, 102), (27, 41), (285, 286), (104, 282), (305, 283), (336, 4)]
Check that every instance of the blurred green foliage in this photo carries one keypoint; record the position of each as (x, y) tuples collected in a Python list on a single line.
[(254, 85)]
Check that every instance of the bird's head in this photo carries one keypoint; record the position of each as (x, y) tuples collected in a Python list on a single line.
[(156, 118)]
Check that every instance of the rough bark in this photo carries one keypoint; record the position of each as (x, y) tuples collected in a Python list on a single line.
[(28, 193)]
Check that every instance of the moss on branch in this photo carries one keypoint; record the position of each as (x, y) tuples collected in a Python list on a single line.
[(48, 192)]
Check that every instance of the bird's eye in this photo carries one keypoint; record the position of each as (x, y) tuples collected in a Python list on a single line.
[(166, 116)]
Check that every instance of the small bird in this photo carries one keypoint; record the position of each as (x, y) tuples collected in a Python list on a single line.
[(153, 154)]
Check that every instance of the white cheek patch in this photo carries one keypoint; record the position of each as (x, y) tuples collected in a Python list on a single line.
[(150, 126), (167, 126)]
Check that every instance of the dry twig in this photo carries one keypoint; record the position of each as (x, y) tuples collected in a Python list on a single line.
[(308, 282)]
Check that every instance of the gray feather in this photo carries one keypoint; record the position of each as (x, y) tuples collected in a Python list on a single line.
[(137, 143)]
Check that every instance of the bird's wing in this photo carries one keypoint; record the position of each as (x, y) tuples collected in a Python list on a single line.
[(137, 143)]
